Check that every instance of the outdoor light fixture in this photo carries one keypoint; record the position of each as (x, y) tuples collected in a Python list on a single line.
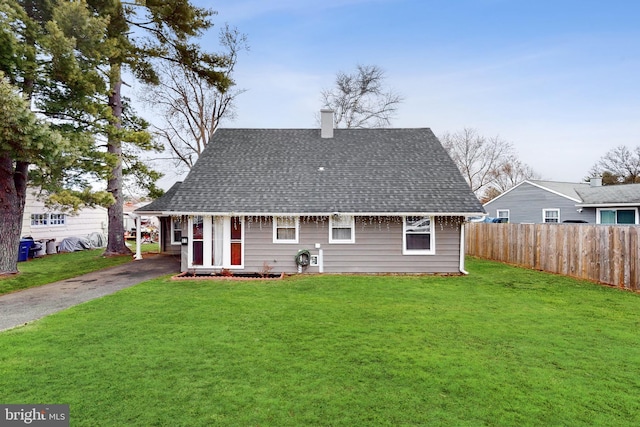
[(184, 241)]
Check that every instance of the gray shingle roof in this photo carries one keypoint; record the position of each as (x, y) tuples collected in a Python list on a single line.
[(568, 189), (162, 203), (610, 194), (295, 171)]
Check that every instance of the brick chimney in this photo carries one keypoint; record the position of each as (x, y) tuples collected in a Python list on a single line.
[(326, 123)]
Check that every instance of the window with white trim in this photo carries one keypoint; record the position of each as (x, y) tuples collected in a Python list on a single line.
[(56, 219), (503, 213), (285, 229), (342, 229), (551, 215), (417, 235), (43, 219), (617, 216), (38, 219), (176, 230)]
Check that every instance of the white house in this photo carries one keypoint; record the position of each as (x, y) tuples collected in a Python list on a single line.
[(42, 223)]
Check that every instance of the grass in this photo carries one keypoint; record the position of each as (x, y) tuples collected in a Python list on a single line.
[(145, 247), (52, 268), (501, 347)]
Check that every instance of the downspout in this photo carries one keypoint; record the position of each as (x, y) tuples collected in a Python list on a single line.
[(462, 249), (138, 255)]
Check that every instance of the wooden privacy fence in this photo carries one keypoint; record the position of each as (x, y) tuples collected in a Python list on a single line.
[(603, 253)]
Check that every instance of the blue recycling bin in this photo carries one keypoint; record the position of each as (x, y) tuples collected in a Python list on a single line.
[(23, 252)]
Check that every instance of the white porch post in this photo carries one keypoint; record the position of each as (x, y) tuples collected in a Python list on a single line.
[(138, 254), (160, 235)]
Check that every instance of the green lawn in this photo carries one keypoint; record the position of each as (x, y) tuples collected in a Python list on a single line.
[(51, 268), (501, 347)]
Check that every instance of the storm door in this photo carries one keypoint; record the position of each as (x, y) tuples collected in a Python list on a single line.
[(236, 233)]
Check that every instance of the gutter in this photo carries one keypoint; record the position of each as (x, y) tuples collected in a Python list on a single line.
[(607, 205), (462, 250), (303, 214)]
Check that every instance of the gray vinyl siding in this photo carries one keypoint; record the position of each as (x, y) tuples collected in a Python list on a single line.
[(527, 202), (377, 248)]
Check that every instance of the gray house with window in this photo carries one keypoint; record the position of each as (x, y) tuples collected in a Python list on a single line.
[(354, 200), (534, 201)]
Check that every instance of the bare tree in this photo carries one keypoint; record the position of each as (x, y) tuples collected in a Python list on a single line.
[(360, 100), (620, 165), (507, 176), (489, 165), (192, 108), (511, 173)]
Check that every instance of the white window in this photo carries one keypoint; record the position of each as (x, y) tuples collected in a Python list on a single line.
[(551, 215), (418, 236), (617, 216), (342, 229), (176, 230), (56, 219), (38, 220), (503, 213), (285, 229)]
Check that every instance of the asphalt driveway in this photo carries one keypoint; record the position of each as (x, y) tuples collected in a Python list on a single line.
[(22, 307)]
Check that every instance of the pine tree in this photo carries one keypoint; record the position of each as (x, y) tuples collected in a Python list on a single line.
[(67, 59), (136, 35), (24, 141)]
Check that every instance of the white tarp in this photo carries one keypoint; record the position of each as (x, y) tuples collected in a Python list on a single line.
[(97, 240)]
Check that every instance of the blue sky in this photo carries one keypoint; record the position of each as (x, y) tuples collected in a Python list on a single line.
[(559, 79)]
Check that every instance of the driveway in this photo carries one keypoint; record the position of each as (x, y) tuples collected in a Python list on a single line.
[(22, 307)]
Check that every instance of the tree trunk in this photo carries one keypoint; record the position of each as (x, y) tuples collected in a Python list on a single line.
[(13, 191), (116, 244)]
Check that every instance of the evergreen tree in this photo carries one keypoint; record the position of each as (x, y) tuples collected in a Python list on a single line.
[(67, 59), (24, 141), (136, 35)]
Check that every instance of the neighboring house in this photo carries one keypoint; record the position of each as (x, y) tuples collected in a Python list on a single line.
[(42, 223), (149, 224), (554, 202), (354, 200)]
